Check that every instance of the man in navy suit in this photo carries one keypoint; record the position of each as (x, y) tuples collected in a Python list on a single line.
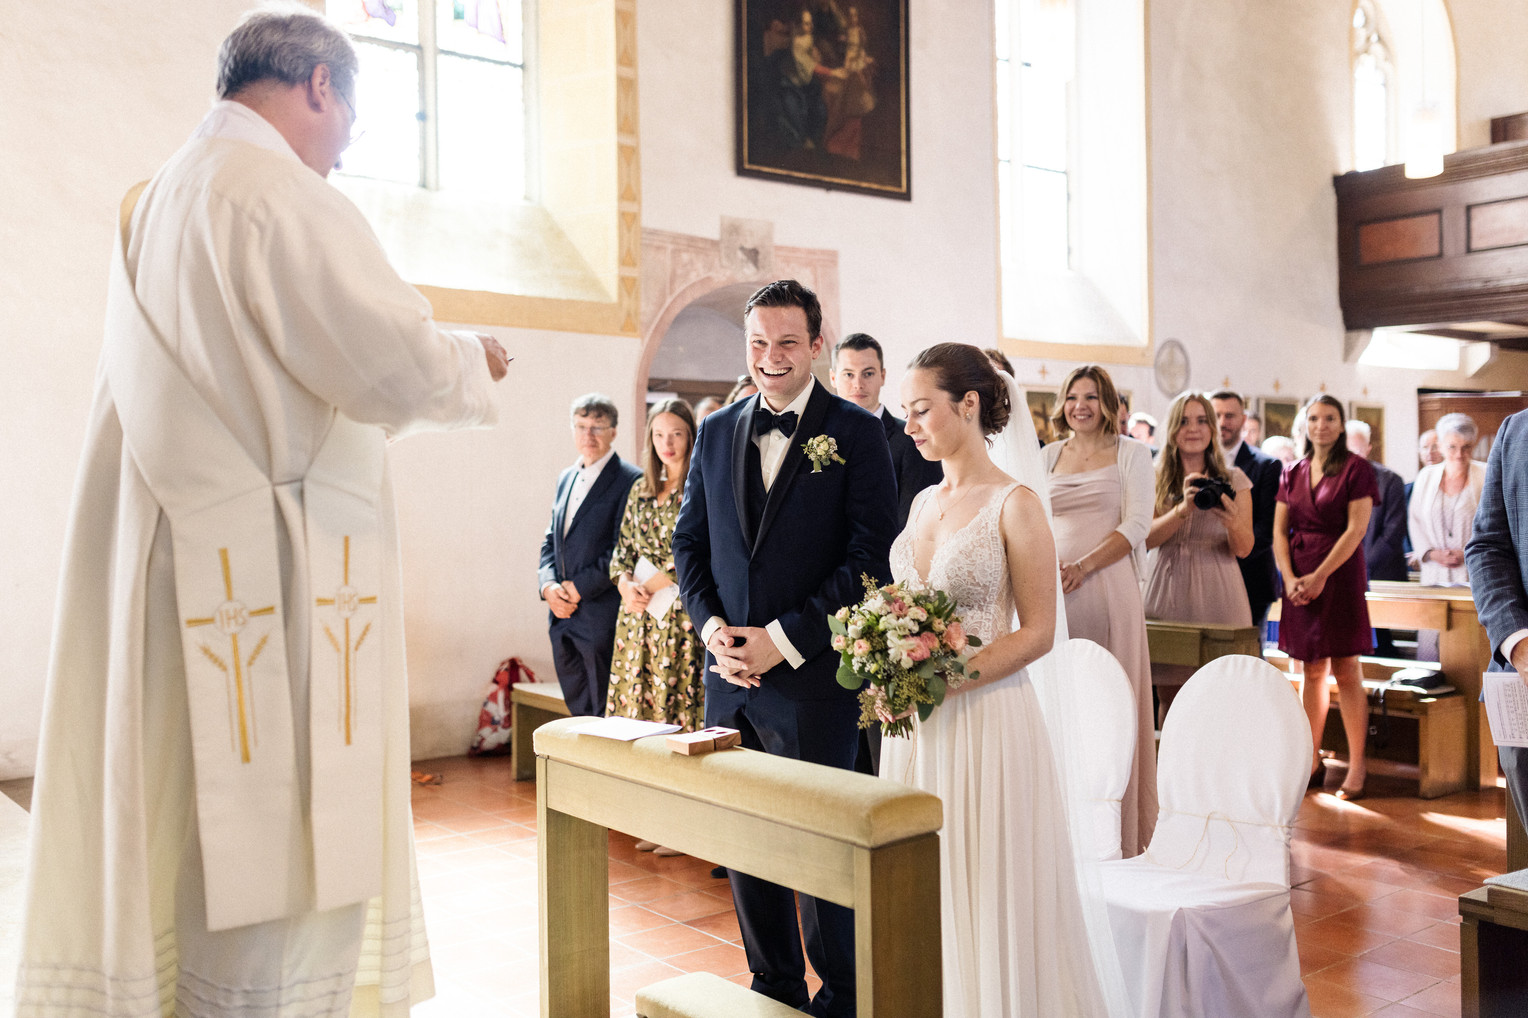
[(1384, 544), (1497, 559), (767, 546), (575, 557), (859, 372), (1259, 575)]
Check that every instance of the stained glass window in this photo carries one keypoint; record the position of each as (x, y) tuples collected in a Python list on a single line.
[(440, 100)]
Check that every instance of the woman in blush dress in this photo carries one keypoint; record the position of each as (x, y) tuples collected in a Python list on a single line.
[(1318, 531), (1194, 575), (1015, 940), (1101, 492)]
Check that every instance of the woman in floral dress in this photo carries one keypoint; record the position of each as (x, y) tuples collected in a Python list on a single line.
[(656, 671)]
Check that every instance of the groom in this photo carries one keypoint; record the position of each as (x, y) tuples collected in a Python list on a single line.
[(766, 548)]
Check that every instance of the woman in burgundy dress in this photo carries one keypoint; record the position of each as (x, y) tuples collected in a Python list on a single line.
[(1318, 531)]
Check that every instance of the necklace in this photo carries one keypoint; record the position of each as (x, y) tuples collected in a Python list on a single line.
[(941, 506)]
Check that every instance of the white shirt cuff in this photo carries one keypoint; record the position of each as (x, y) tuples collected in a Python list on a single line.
[(547, 586), (1510, 643), (783, 644), (714, 623)]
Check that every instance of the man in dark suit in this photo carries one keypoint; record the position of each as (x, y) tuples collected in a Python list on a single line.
[(766, 548), (1384, 551), (1259, 574), (1497, 559), (859, 372), (575, 557)]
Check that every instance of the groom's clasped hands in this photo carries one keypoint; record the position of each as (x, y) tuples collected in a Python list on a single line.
[(743, 654)]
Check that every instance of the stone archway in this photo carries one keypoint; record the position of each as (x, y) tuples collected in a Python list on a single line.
[(678, 269)]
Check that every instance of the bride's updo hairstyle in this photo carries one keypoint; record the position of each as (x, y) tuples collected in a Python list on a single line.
[(959, 368)]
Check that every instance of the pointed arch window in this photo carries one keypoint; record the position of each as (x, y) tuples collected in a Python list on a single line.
[(1374, 92)]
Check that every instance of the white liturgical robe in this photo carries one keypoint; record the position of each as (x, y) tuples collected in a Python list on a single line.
[(223, 827)]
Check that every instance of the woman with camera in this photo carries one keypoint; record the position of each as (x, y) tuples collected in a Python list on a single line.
[(1202, 524), (1319, 524)]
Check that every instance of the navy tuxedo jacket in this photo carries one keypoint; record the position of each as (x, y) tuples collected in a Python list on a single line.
[(1497, 552), (914, 473), (583, 554), (817, 534), (1384, 551), (1259, 574)]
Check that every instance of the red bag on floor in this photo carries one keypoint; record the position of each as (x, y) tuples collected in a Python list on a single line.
[(495, 719)]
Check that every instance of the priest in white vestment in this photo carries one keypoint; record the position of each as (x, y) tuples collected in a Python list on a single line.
[(221, 821)]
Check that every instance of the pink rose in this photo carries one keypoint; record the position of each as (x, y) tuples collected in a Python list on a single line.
[(918, 651), (861, 648), (955, 637), (838, 642), (930, 640), (899, 607)]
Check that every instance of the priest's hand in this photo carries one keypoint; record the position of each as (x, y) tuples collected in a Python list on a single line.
[(498, 359)]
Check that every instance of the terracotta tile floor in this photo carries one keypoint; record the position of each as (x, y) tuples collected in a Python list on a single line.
[(1374, 898)]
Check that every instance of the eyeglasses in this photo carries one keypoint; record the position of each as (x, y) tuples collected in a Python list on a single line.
[(593, 430), (355, 135)]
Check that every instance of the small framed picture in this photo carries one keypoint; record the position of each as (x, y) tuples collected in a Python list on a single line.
[(1372, 414), (1278, 414), (1042, 403)]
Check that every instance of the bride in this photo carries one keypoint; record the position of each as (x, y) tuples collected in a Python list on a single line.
[(1015, 939)]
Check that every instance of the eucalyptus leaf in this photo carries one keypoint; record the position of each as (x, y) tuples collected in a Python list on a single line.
[(924, 710), (836, 626), (848, 677)]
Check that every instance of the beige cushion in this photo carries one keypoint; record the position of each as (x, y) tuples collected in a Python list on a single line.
[(854, 808), (703, 995)]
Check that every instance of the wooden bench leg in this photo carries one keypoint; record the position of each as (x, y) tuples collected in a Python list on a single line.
[(896, 953), (522, 752), (575, 911)]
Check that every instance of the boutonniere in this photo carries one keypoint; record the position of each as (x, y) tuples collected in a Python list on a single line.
[(821, 450)]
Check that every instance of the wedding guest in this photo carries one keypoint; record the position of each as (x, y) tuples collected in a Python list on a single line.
[(858, 373), (706, 406), (1428, 454), (742, 390), (1281, 448), (1143, 427), (1384, 551), (1325, 501), (655, 672), (1252, 430), (1442, 514), (575, 556), (1101, 493), (1443, 503), (1196, 540), (1124, 414), (1000, 360), (1259, 575)]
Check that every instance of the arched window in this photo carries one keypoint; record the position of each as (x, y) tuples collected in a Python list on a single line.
[(1373, 91), (1071, 168), (441, 95)]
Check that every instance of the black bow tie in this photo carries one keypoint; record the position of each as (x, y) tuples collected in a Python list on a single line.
[(765, 421)]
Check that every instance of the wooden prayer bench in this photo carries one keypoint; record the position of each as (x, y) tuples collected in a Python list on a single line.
[(533, 704), (868, 844), (1439, 746), (1195, 644), (1493, 939), (701, 995)]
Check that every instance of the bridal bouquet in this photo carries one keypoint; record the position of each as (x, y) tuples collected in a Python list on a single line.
[(909, 645)]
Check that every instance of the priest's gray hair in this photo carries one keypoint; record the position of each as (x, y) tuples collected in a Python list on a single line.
[(284, 42)]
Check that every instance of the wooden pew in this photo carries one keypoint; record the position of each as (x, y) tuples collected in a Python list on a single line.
[(1195, 644), (868, 844), (533, 704)]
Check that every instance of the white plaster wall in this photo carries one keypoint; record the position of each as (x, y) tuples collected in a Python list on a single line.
[(1490, 36)]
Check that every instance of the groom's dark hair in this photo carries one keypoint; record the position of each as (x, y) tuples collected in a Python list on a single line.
[(787, 293)]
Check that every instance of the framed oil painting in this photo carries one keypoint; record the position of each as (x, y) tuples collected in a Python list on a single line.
[(1042, 403), (1278, 415), (1373, 415), (822, 94)]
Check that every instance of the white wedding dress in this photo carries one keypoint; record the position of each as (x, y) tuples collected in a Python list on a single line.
[(1014, 938)]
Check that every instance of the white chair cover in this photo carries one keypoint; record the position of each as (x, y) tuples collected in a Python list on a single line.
[(1108, 749), (1202, 918)]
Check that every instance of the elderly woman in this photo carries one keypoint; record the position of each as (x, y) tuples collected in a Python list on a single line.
[(1281, 448), (1101, 492), (1196, 536), (1443, 505)]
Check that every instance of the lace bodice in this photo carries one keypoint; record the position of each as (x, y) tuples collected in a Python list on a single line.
[(971, 566)]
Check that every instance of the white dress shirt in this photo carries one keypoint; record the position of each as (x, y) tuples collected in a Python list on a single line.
[(582, 482), (772, 450)]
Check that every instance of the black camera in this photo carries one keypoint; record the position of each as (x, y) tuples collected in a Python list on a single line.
[(1207, 492)]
